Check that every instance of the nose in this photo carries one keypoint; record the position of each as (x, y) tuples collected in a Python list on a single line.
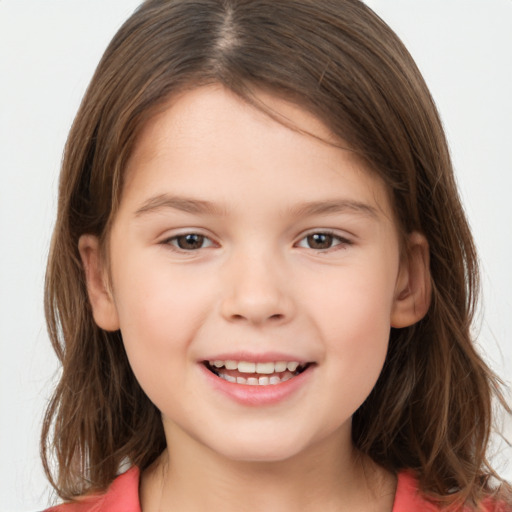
[(256, 291)]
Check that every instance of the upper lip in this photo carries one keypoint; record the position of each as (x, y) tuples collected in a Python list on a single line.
[(251, 357)]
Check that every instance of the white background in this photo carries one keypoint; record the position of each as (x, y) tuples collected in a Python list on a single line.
[(48, 52)]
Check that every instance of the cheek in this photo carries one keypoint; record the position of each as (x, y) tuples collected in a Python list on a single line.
[(159, 314), (354, 300), (352, 312), (153, 297)]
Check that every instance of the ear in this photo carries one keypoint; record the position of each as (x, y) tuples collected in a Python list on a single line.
[(96, 277), (413, 288)]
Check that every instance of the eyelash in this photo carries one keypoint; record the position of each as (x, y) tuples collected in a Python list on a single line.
[(174, 242), (331, 237), (342, 242)]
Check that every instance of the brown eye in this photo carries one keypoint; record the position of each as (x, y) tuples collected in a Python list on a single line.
[(190, 242), (323, 241), (320, 241)]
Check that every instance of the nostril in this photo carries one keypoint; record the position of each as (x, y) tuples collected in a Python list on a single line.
[(275, 317)]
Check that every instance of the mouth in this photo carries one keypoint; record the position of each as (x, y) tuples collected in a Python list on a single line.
[(256, 374)]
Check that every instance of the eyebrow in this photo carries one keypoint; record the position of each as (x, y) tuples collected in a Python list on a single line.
[(200, 206), (184, 204), (334, 206)]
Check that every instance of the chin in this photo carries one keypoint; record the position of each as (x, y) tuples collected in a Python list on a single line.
[(262, 448)]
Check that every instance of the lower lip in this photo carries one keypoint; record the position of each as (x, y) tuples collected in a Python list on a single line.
[(258, 395)]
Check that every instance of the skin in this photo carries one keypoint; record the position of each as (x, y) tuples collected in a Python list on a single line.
[(257, 284)]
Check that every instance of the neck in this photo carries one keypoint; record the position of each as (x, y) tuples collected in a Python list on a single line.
[(329, 476)]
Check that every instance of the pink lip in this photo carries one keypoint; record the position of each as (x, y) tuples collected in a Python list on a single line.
[(266, 357), (255, 396)]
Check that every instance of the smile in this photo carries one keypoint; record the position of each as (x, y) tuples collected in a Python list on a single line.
[(256, 374)]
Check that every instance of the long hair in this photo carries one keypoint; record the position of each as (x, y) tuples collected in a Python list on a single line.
[(431, 409)]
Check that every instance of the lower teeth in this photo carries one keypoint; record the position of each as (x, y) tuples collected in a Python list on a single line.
[(255, 381), (236, 377)]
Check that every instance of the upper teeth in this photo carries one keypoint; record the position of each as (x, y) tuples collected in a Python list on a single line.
[(248, 367)]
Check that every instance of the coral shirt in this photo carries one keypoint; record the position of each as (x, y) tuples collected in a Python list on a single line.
[(123, 496)]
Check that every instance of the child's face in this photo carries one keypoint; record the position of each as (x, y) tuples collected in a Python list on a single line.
[(239, 239)]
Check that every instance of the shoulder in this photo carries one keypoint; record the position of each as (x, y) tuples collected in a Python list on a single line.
[(408, 498), (496, 506), (121, 496)]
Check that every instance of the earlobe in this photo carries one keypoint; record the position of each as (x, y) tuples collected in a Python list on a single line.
[(413, 289), (100, 295)]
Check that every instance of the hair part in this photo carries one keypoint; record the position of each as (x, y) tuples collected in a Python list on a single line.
[(431, 410)]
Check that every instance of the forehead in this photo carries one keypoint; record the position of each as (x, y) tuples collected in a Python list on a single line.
[(191, 114), (211, 141)]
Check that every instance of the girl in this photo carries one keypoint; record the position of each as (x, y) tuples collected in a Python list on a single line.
[(261, 279)]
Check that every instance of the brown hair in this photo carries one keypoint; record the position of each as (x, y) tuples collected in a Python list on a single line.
[(431, 409)]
